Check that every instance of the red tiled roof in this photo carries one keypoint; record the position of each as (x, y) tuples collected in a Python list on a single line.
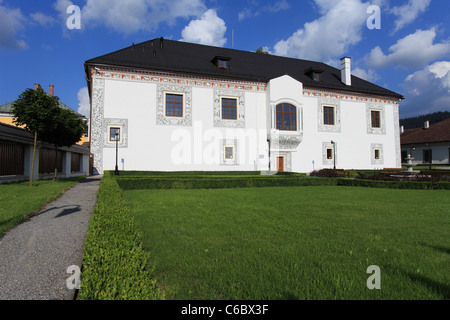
[(438, 132)]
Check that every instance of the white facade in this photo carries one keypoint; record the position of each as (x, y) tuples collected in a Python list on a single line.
[(201, 140), (440, 153)]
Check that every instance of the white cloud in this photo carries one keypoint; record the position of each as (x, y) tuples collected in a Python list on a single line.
[(43, 19), (413, 51), (427, 90), (84, 104), (255, 9), (11, 22), (369, 75), (208, 30), (329, 36), (133, 15), (408, 12)]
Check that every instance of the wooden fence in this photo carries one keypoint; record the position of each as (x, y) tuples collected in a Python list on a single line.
[(11, 158), (47, 161)]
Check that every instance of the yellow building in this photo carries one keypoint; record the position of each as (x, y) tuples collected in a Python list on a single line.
[(6, 116)]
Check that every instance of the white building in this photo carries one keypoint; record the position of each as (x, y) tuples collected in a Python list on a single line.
[(427, 145), (179, 106)]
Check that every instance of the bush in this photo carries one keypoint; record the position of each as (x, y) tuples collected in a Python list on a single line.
[(420, 185), (115, 266), (220, 182)]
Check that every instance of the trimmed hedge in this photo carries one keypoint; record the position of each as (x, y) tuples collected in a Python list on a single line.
[(220, 182), (216, 182), (115, 265), (419, 185)]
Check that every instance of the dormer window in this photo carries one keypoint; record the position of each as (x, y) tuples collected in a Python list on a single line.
[(222, 63), (314, 74)]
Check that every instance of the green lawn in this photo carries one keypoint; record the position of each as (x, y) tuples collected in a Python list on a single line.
[(296, 242), (18, 200)]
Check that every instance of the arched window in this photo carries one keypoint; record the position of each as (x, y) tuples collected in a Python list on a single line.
[(286, 117)]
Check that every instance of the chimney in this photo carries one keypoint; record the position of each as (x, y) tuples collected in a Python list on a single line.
[(426, 124), (36, 86), (346, 73), (51, 90)]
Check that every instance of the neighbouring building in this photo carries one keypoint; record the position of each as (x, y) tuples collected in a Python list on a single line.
[(174, 106), (7, 117), (429, 144)]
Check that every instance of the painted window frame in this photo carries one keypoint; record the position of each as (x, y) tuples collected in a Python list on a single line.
[(377, 147), (227, 143), (295, 113), (377, 119), (380, 108), (233, 152), (236, 107), (115, 126), (182, 94), (222, 64), (333, 107), (329, 102), (330, 153)]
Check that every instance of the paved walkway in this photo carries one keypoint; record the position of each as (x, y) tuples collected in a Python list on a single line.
[(35, 255)]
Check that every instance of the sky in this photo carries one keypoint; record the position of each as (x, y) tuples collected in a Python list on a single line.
[(401, 45)]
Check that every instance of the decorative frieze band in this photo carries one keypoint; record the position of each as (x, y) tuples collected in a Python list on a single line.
[(168, 78), (310, 92)]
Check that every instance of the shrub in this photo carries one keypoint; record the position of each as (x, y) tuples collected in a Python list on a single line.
[(115, 266), (404, 184), (219, 182)]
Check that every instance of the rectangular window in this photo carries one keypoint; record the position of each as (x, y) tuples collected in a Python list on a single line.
[(229, 109), (222, 64), (375, 119), (427, 156), (114, 134), (376, 154), (328, 115), (229, 152), (316, 76), (330, 153), (174, 105)]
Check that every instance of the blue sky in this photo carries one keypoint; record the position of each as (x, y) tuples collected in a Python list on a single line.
[(409, 53)]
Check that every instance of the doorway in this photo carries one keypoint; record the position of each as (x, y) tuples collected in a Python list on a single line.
[(280, 163)]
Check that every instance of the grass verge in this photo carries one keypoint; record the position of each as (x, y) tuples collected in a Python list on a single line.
[(19, 201)]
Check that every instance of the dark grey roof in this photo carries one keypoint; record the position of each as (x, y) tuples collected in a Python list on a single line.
[(176, 56)]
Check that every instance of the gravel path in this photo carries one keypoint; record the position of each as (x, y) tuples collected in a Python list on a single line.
[(35, 255)]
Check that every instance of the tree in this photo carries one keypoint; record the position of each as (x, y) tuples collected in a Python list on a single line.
[(34, 110), (67, 130), (261, 50), (42, 115)]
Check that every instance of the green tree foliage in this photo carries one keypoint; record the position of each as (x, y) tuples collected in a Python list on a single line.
[(417, 122), (261, 50), (35, 110), (42, 115)]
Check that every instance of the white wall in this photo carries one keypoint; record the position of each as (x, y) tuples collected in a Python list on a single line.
[(198, 144)]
